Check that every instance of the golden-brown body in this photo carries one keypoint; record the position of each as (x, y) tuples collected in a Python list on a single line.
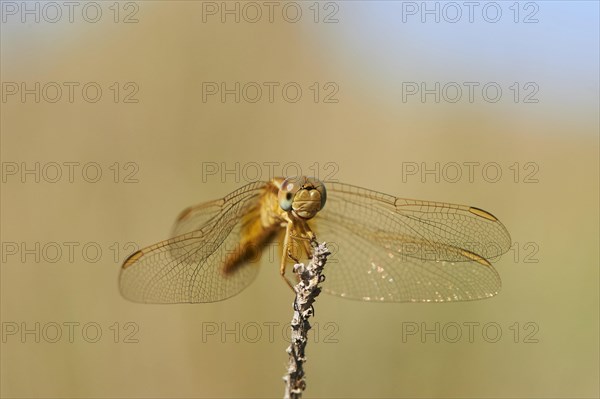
[(266, 219)]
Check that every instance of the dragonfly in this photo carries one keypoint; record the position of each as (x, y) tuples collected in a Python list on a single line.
[(388, 249)]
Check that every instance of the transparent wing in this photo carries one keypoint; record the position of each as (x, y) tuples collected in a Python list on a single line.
[(401, 250), (188, 267), (195, 217)]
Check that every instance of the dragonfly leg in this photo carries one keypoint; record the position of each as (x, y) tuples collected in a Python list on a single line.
[(286, 252), (291, 255), (308, 244), (307, 241)]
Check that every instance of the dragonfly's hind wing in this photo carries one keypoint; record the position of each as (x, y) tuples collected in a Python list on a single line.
[(189, 267)]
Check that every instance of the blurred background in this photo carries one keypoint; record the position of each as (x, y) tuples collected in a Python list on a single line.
[(117, 115)]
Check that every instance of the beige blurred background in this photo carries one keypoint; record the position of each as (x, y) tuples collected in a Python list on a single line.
[(547, 311)]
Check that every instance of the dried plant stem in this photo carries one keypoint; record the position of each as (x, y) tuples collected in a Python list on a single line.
[(307, 291)]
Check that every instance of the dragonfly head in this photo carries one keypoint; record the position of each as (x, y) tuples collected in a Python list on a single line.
[(303, 196)]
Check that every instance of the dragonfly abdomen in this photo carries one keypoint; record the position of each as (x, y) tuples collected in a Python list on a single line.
[(260, 225)]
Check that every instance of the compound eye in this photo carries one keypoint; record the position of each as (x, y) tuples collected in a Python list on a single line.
[(286, 194), (320, 187)]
